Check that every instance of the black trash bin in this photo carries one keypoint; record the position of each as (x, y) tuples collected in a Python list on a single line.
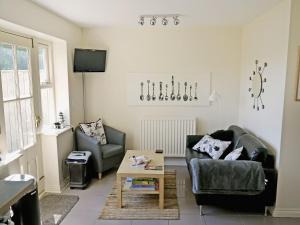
[(26, 211), (79, 163)]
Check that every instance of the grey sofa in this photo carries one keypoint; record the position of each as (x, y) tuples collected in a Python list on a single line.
[(106, 156), (255, 151)]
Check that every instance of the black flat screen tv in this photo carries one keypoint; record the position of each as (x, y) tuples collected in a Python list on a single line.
[(89, 60)]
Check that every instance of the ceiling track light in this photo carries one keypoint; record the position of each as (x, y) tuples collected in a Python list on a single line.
[(164, 19), (141, 21)]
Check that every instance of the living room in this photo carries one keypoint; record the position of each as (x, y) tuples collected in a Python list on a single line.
[(207, 52)]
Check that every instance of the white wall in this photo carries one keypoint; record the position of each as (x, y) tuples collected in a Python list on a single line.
[(163, 50), (288, 198), (25, 16), (29, 15), (265, 39)]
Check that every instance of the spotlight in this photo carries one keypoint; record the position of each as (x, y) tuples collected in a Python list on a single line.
[(164, 21), (153, 21), (176, 20), (141, 21)]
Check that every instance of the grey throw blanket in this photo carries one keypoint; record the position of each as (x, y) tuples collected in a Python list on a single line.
[(227, 177)]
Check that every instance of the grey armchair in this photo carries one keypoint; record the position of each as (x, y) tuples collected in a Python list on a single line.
[(107, 156)]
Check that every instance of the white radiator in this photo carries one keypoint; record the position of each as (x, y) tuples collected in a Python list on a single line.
[(168, 134)]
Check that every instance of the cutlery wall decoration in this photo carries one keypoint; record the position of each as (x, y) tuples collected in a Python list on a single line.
[(163, 89), (164, 94)]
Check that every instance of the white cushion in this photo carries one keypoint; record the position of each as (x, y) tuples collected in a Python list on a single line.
[(95, 130), (214, 147), (235, 154)]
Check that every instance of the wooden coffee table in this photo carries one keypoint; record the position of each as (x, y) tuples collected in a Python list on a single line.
[(126, 170)]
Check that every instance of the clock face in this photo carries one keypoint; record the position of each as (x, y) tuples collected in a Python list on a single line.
[(256, 85), (257, 82)]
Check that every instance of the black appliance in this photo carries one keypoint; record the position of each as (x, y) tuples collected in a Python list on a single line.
[(79, 164), (89, 60)]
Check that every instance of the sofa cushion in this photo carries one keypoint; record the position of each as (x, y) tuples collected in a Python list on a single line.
[(95, 130), (224, 135), (215, 148), (256, 150), (237, 132), (235, 154), (111, 150)]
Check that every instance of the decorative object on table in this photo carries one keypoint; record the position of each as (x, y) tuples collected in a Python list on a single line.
[(178, 97), (195, 97), (172, 96), (298, 80), (153, 92), (148, 95), (185, 96), (61, 120), (143, 206), (166, 95), (95, 130), (161, 96), (139, 160), (187, 89), (142, 91), (191, 97), (55, 207), (257, 88)]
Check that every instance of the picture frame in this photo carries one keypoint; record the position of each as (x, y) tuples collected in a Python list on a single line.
[(298, 77)]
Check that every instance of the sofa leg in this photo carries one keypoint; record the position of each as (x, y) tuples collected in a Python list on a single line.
[(200, 210), (99, 176), (266, 210)]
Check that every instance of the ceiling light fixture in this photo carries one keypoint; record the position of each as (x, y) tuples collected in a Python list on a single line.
[(164, 19), (141, 21), (153, 21), (176, 20)]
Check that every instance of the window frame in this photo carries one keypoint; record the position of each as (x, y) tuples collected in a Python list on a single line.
[(50, 84), (16, 42)]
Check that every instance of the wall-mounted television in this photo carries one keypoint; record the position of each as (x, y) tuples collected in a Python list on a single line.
[(89, 60)]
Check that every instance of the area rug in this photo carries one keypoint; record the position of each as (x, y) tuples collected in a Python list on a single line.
[(144, 207), (55, 207)]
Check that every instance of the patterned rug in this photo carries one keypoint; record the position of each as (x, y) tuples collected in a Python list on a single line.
[(55, 207), (144, 207)]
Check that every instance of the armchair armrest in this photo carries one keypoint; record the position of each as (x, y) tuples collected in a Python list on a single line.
[(114, 136), (87, 143), (191, 140)]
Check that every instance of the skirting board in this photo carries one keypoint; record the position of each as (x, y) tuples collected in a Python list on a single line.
[(286, 212)]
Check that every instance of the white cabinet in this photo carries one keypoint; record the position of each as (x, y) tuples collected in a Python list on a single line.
[(56, 146)]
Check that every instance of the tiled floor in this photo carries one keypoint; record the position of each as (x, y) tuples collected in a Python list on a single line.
[(92, 200)]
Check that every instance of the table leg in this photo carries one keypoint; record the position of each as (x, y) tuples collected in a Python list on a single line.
[(161, 192), (119, 191)]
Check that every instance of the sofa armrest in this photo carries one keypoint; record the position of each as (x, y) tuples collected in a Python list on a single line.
[(114, 136), (191, 140)]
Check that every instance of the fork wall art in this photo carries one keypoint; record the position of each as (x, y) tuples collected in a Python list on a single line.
[(168, 89)]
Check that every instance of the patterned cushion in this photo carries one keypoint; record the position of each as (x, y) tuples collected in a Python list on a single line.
[(235, 154), (95, 130), (213, 147)]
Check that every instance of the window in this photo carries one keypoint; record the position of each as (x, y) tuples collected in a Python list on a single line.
[(16, 80), (46, 83)]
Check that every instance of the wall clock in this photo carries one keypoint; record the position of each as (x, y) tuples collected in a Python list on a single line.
[(257, 89)]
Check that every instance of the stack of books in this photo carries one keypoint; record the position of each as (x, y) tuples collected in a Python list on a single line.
[(146, 184)]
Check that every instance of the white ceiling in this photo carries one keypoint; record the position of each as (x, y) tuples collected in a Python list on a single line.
[(94, 13)]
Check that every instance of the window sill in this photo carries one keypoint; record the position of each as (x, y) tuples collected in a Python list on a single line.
[(55, 132), (8, 158)]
